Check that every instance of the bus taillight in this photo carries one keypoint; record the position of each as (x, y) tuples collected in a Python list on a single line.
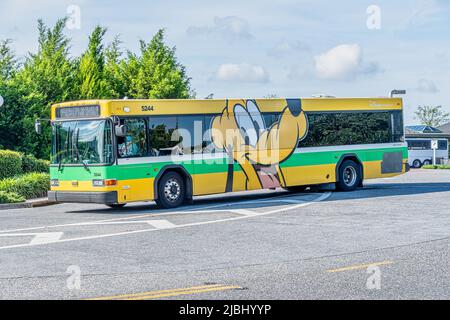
[(104, 183)]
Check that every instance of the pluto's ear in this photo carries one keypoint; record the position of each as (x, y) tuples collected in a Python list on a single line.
[(295, 106)]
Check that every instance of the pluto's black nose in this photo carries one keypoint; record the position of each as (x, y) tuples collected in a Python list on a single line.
[(295, 106)]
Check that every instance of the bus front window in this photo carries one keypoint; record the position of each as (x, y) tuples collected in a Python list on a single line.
[(82, 142)]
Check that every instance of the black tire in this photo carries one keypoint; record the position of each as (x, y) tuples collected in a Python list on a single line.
[(296, 188), (416, 164), (427, 162), (171, 191), (116, 205), (349, 176)]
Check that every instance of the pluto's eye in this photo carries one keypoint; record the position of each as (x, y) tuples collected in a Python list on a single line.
[(249, 127)]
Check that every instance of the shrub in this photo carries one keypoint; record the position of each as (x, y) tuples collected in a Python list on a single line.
[(10, 197), (10, 163), (31, 164), (30, 185)]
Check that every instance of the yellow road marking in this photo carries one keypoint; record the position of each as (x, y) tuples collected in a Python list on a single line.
[(179, 293), (361, 266), (168, 292)]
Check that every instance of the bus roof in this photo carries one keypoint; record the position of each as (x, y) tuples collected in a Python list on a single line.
[(213, 106)]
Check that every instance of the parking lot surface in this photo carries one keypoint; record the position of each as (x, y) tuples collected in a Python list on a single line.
[(388, 240)]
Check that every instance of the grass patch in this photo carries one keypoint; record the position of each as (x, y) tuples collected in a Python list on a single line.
[(436, 166)]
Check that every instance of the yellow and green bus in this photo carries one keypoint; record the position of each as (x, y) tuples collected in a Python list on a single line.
[(119, 151)]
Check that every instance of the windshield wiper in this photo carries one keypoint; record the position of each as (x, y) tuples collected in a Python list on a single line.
[(75, 145)]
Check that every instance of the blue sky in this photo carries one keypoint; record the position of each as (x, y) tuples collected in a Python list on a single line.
[(288, 48)]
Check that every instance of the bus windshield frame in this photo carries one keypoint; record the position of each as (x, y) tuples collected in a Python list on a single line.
[(75, 142)]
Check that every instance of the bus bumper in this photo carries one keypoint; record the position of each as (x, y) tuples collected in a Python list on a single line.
[(109, 197)]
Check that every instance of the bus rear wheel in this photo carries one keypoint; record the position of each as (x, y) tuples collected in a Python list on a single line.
[(171, 191), (350, 176)]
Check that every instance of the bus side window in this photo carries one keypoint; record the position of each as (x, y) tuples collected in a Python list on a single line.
[(190, 131), (134, 144), (397, 126), (208, 145), (162, 135)]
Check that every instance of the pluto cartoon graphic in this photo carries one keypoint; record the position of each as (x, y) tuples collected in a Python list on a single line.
[(241, 131)]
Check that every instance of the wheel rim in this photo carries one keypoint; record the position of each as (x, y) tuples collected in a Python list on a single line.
[(416, 164), (172, 190), (349, 176)]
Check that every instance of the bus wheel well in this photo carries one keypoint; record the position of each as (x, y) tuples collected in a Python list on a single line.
[(187, 179), (352, 157)]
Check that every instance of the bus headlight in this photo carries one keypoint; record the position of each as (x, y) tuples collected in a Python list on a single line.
[(54, 183), (104, 183)]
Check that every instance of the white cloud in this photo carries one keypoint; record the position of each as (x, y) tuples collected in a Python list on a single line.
[(231, 28), (243, 72), (427, 86), (343, 62)]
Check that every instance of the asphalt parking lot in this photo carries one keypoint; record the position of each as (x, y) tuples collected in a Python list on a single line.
[(388, 240)]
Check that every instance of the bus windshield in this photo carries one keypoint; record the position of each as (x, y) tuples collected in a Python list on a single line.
[(82, 142)]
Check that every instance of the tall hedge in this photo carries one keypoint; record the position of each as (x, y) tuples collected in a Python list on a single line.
[(10, 163), (31, 164)]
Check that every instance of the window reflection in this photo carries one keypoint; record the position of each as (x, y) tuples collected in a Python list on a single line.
[(134, 144), (83, 141)]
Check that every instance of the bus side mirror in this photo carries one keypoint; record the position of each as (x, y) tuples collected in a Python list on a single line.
[(120, 130), (37, 127)]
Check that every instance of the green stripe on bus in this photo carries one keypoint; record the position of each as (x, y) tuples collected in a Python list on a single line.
[(150, 170)]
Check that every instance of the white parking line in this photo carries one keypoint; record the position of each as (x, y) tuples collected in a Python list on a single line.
[(164, 225), (161, 214), (161, 224), (244, 212), (158, 224), (39, 238)]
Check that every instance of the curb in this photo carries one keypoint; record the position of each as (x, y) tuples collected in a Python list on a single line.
[(33, 203), (20, 205)]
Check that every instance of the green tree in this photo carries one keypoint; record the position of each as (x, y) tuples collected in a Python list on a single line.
[(47, 77), (114, 66), (432, 116), (10, 116), (91, 68), (156, 73), (8, 63), (50, 76)]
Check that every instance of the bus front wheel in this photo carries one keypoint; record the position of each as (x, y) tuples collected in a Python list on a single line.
[(350, 176), (171, 191)]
